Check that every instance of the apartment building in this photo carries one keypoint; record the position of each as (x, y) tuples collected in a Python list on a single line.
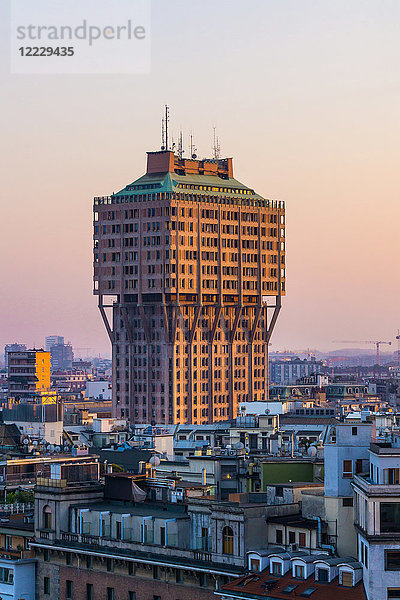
[(377, 520), (29, 374), (189, 270), (140, 535)]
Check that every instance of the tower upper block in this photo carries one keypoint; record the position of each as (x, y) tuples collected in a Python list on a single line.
[(195, 263)]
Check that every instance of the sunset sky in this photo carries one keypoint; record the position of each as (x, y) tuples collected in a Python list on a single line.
[(305, 96)]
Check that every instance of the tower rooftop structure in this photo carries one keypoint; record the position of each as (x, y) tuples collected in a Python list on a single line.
[(195, 263)]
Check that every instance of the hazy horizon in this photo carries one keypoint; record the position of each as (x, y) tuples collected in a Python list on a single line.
[(305, 97)]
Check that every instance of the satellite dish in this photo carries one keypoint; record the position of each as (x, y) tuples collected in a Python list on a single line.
[(155, 461), (50, 448), (194, 156), (267, 411), (312, 451), (57, 449), (238, 446), (26, 441), (35, 442)]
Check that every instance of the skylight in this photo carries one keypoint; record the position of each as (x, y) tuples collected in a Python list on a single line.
[(307, 593), (289, 588)]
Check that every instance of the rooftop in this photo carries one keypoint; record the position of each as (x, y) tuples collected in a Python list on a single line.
[(264, 586), (295, 521)]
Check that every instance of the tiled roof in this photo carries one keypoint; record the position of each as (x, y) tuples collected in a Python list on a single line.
[(263, 585)]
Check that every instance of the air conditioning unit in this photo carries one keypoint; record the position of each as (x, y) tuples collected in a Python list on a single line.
[(294, 547)]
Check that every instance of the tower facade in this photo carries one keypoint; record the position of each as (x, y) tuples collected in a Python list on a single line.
[(189, 270)]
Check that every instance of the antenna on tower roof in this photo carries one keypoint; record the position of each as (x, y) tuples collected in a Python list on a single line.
[(193, 148), (163, 134), (216, 145), (164, 129), (180, 145)]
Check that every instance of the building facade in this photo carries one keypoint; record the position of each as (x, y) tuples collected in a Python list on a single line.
[(53, 340), (28, 374), (12, 348), (377, 521), (62, 356), (193, 265)]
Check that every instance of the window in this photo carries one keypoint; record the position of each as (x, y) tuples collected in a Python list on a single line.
[(156, 597), (178, 576), (46, 555), (118, 524), (347, 469), (68, 558), (162, 536), (254, 564), (307, 593), (47, 517), (46, 585), (279, 491), (347, 501), (347, 579), (391, 476), (131, 595), (89, 562), (131, 568), (110, 593), (392, 560), (89, 591), (302, 540), (299, 571), (203, 579), (155, 572), (354, 431), (289, 588), (227, 540), (292, 537), (279, 536), (393, 593), (359, 465), (322, 575), (276, 568), (110, 565), (68, 589), (390, 517)]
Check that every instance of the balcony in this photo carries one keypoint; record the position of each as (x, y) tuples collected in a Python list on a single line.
[(127, 545), (363, 482), (12, 554)]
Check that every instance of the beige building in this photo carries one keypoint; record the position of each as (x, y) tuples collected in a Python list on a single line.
[(193, 265)]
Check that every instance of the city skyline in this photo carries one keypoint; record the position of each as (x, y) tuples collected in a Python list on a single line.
[(324, 126)]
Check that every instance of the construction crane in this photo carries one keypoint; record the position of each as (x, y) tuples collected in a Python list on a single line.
[(375, 343), (398, 345)]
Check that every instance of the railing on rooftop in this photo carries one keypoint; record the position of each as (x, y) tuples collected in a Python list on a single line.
[(12, 554), (17, 508)]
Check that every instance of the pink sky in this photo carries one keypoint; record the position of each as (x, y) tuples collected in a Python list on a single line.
[(305, 97)]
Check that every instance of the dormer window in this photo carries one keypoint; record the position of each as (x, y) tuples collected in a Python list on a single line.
[(347, 579), (276, 568), (322, 575), (298, 571)]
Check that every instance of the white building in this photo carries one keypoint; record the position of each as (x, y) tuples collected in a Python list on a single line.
[(377, 519), (17, 579), (346, 453), (100, 390)]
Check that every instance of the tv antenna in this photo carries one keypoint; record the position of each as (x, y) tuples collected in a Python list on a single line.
[(193, 148), (164, 129), (216, 145), (180, 145)]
